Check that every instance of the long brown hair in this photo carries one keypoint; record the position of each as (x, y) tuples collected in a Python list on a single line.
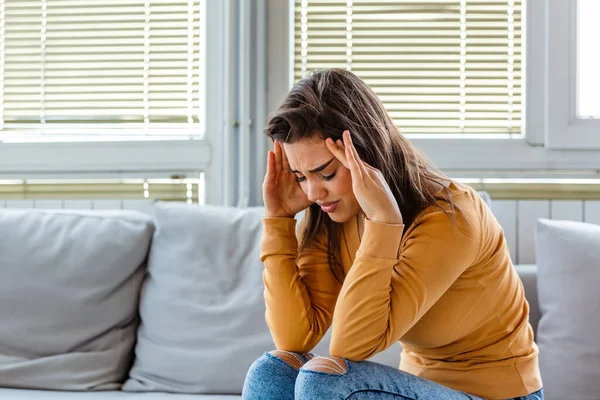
[(327, 102)]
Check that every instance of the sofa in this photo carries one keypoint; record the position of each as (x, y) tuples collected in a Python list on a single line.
[(119, 304)]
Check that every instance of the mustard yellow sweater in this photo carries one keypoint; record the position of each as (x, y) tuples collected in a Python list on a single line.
[(446, 289)]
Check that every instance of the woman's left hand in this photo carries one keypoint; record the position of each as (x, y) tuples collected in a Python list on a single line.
[(370, 188)]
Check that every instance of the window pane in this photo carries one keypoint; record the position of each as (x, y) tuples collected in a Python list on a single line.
[(103, 69), (440, 67), (588, 58)]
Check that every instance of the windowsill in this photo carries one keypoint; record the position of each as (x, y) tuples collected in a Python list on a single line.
[(56, 158), (503, 154)]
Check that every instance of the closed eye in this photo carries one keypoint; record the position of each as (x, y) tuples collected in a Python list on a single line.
[(326, 178), (329, 177)]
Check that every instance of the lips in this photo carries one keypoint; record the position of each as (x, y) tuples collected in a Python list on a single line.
[(329, 207)]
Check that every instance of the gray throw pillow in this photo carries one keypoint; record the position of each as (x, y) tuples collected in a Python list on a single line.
[(568, 258), (202, 306), (69, 285)]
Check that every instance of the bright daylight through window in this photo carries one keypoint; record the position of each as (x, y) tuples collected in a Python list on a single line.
[(588, 58), (451, 67), (100, 70)]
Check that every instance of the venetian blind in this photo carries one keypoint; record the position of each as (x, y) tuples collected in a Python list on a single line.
[(439, 66), (85, 67), (184, 189)]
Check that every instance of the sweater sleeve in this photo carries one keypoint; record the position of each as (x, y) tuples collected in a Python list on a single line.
[(389, 287), (300, 291)]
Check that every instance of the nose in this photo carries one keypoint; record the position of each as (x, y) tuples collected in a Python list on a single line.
[(315, 190)]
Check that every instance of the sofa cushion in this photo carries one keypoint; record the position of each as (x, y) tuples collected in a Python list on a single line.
[(202, 307), (568, 280), (69, 285)]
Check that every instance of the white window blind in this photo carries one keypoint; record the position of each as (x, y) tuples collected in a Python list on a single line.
[(190, 190), (114, 68), (439, 66)]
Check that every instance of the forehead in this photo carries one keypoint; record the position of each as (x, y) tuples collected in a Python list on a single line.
[(307, 154)]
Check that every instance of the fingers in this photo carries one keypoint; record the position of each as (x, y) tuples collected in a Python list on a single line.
[(337, 149), (278, 162), (361, 164), (352, 154), (285, 165), (270, 175)]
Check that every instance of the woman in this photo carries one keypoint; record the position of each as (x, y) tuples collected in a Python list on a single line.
[(389, 249)]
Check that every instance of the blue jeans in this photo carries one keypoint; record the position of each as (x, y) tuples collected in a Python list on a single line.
[(271, 378)]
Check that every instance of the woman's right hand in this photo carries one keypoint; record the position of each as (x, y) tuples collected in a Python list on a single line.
[(282, 193)]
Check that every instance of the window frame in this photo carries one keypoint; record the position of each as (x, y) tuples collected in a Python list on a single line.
[(152, 157), (533, 151), (565, 129)]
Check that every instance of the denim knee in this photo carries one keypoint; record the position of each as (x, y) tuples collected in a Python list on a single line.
[(269, 378), (313, 385)]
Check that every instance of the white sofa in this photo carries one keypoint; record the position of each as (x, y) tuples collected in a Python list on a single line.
[(170, 305)]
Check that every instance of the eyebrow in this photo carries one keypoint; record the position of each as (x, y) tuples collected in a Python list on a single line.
[(319, 168)]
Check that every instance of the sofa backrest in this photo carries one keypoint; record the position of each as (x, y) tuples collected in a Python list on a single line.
[(528, 274)]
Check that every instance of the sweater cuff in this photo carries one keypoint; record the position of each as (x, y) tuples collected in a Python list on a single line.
[(279, 236), (381, 240)]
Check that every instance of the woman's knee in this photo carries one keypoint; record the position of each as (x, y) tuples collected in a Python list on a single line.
[(273, 375), (319, 378), (278, 361)]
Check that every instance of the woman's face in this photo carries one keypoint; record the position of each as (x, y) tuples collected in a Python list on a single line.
[(323, 178)]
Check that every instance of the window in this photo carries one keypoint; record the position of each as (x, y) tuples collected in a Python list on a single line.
[(112, 69), (477, 85), (112, 89), (439, 67)]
